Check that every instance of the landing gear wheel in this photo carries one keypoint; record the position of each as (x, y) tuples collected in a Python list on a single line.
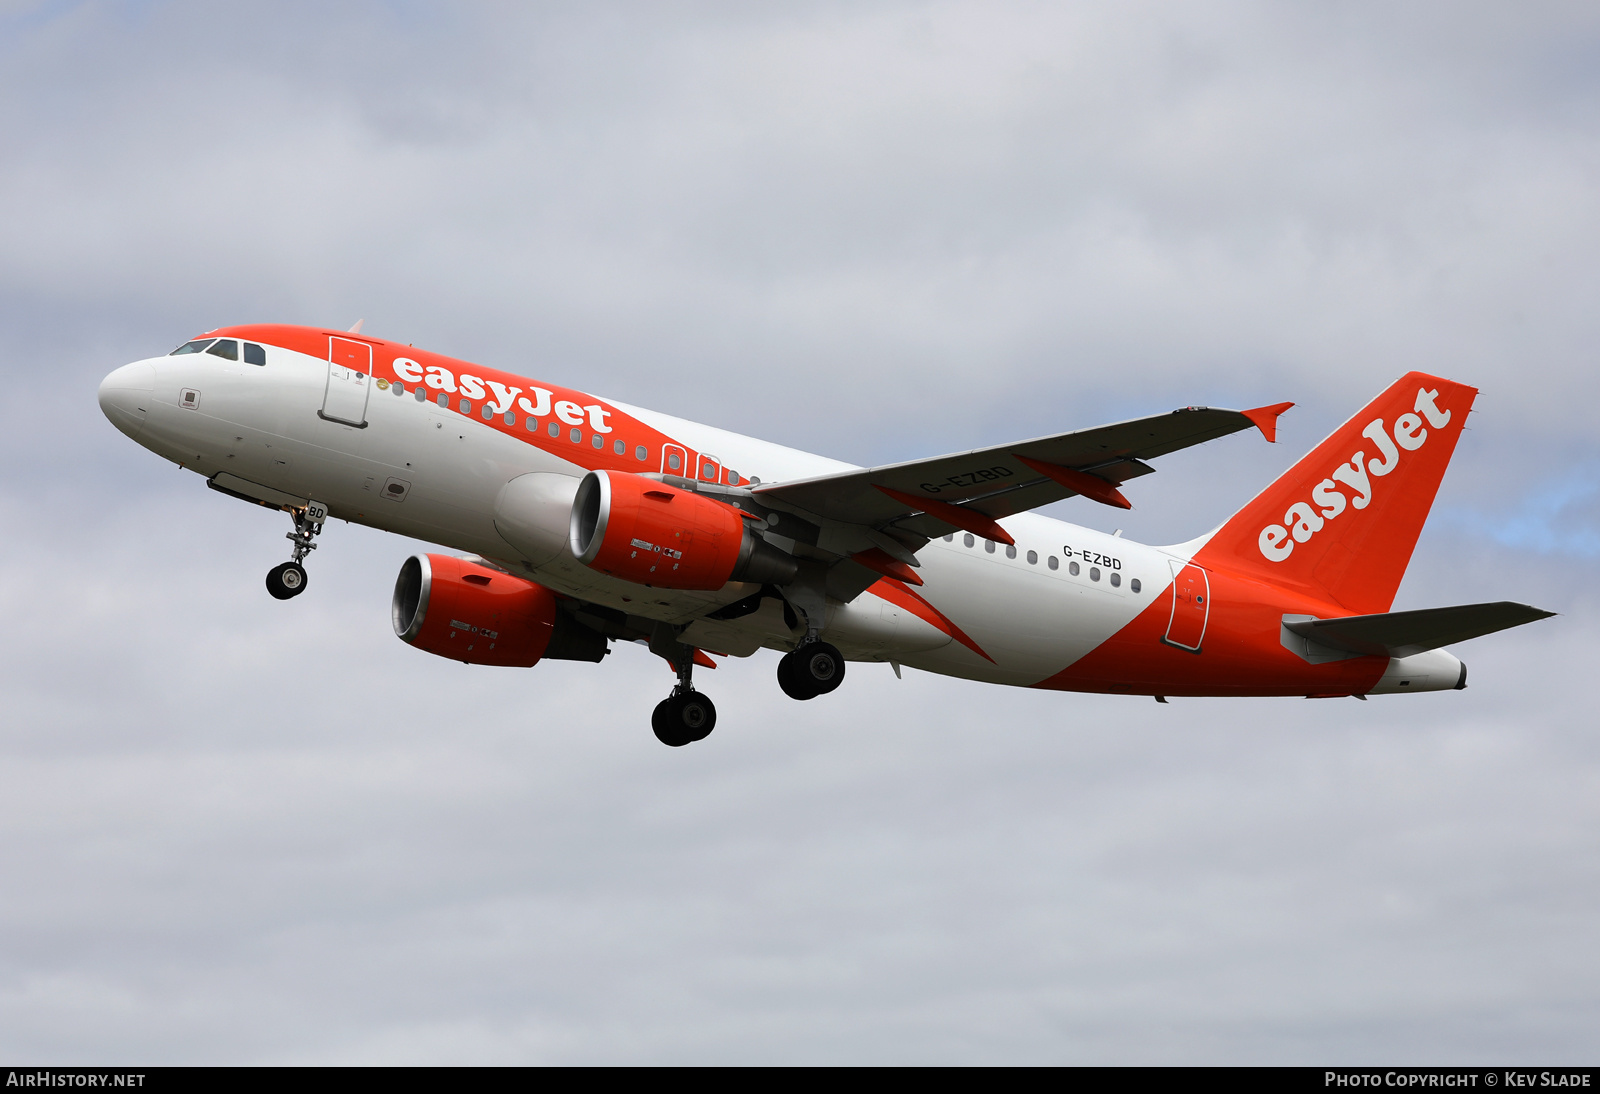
[(823, 665), (286, 580), (790, 681), (816, 668), (683, 718)]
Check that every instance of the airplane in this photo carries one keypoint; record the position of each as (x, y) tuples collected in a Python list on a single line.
[(586, 521)]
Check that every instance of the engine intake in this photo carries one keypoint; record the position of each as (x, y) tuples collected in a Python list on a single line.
[(459, 609), (647, 532)]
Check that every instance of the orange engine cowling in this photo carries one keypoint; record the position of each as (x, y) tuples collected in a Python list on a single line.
[(647, 532), (459, 609)]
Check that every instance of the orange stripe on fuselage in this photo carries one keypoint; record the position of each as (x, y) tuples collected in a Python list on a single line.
[(313, 342), (1242, 653), (902, 595)]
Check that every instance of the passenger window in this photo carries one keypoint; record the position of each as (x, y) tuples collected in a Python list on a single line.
[(1094, 573), (1134, 584), (1116, 579), (444, 400), (398, 389), (1011, 550), (1033, 558), (599, 441), (191, 347), (466, 406), (1055, 563), (988, 545), (554, 429), (968, 540), (620, 448), (950, 538), (226, 348), (1072, 568), (488, 412), (254, 354), (577, 435), (641, 453), (422, 396), (510, 418), (674, 462)]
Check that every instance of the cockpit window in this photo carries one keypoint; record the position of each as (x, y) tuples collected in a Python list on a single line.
[(254, 354), (225, 348), (191, 347)]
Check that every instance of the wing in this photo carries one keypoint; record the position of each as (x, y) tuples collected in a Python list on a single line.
[(970, 490)]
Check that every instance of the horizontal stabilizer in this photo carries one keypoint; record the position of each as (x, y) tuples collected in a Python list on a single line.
[(1401, 634)]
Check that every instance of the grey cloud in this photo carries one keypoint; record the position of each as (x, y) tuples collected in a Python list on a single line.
[(241, 830)]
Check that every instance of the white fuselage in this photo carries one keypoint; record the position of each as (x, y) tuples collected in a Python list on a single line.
[(260, 424)]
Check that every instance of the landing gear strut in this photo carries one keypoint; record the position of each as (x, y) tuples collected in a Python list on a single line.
[(685, 716), (814, 668), (289, 578)]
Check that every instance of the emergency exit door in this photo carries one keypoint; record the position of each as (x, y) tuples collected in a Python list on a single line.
[(675, 461)]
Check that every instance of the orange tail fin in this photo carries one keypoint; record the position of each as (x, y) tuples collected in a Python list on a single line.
[(1341, 524)]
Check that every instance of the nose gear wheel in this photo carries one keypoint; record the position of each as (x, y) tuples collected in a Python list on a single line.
[(285, 580)]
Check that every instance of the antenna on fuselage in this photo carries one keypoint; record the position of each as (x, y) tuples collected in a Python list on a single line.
[(356, 327)]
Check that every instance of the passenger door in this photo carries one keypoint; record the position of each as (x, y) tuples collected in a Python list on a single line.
[(1191, 607), (349, 382)]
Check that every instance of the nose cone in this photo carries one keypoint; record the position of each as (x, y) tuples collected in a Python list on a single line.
[(125, 396)]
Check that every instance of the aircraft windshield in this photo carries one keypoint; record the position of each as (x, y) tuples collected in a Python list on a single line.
[(225, 348), (192, 347)]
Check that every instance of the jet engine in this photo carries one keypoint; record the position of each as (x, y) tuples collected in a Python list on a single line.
[(465, 611), (645, 531)]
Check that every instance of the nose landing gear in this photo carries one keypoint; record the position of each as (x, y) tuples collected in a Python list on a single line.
[(685, 716), (289, 578)]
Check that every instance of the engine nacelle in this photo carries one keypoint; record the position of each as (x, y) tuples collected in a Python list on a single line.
[(647, 532), (466, 612)]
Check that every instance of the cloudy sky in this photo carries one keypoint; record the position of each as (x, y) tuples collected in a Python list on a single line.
[(238, 830)]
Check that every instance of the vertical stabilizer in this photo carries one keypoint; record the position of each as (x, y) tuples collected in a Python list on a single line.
[(1342, 522)]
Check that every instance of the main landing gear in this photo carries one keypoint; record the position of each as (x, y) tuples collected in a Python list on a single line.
[(814, 668), (685, 716), (288, 579)]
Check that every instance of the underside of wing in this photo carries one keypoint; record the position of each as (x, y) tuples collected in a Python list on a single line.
[(970, 490)]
